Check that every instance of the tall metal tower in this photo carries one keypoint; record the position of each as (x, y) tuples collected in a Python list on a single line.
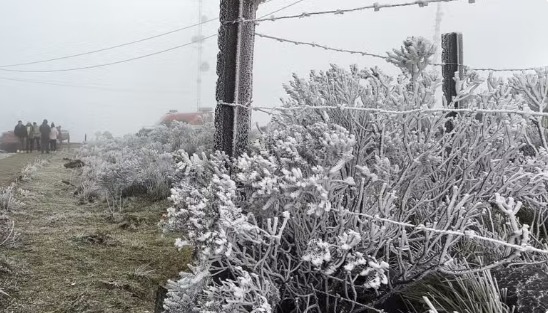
[(437, 34), (200, 52), (437, 57)]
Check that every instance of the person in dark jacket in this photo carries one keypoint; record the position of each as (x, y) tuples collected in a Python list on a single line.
[(21, 132), (44, 136)]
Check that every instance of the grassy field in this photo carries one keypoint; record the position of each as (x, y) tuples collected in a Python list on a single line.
[(78, 258), (12, 164)]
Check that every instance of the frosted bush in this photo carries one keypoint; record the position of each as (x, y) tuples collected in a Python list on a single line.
[(185, 294), (335, 209), (8, 203), (28, 172), (8, 200), (141, 164), (298, 211)]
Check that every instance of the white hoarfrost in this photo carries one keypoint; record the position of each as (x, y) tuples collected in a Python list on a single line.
[(331, 210)]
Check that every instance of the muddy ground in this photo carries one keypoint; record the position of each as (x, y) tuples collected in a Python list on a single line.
[(71, 257)]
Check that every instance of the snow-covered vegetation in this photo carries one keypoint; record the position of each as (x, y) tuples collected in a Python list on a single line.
[(337, 207), (8, 200), (140, 164), (29, 171), (342, 210)]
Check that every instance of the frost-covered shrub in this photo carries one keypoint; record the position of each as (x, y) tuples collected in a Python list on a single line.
[(178, 135), (8, 200), (338, 209), (140, 164), (30, 170), (8, 203), (307, 221)]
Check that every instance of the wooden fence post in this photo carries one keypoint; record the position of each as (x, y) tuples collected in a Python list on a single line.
[(452, 59), (234, 68), (160, 296)]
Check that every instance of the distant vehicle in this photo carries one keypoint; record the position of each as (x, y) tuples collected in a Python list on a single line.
[(205, 115), (9, 142), (64, 135)]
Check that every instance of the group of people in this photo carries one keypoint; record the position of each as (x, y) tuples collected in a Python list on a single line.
[(43, 137)]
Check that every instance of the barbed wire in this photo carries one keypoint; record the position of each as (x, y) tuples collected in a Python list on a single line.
[(384, 111), (375, 55), (376, 7), (261, 18), (315, 45), (506, 69), (469, 234), (420, 227)]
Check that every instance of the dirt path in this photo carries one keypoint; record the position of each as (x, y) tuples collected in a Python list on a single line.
[(74, 258), (11, 166)]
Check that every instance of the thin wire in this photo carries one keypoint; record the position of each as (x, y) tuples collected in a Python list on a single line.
[(111, 47), (107, 64), (365, 53), (126, 43), (375, 6), (135, 58), (87, 86), (282, 9)]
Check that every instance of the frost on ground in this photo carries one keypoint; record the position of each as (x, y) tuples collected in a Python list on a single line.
[(72, 258), (5, 155), (10, 167)]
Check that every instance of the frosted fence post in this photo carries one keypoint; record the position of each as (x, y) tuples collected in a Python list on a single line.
[(452, 59), (234, 68)]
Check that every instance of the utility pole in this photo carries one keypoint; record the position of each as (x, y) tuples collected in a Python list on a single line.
[(452, 58), (234, 68)]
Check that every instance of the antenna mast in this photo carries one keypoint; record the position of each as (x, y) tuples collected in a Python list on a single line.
[(200, 52), (437, 34)]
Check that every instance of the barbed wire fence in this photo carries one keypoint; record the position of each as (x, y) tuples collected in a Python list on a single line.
[(455, 54), (13, 67), (237, 28), (451, 63)]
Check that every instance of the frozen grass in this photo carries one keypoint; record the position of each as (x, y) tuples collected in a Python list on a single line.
[(5, 155), (470, 293), (73, 258)]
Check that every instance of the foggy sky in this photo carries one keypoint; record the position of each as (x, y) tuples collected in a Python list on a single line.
[(124, 97)]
